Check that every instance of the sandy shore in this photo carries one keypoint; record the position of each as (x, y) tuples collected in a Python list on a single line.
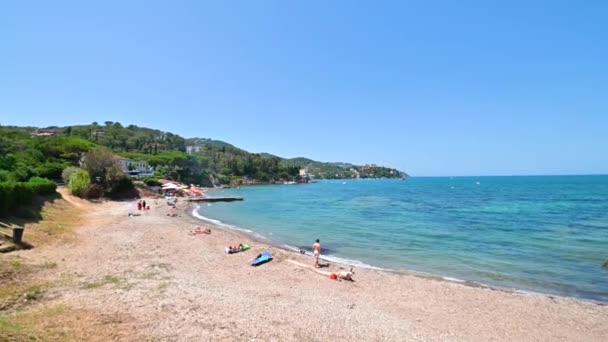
[(171, 286)]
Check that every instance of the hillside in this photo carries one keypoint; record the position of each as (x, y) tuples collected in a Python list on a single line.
[(26, 152)]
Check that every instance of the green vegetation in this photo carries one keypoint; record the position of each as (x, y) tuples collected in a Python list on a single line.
[(28, 155), (15, 194), (116, 281), (79, 182)]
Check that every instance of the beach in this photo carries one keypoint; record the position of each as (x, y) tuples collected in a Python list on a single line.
[(153, 280)]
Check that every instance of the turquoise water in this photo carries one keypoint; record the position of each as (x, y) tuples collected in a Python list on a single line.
[(542, 234)]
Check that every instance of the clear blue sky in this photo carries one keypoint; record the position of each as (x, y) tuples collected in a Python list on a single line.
[(429, 87)]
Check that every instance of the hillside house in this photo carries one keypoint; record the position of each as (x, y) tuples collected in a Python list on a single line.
[(192, 149), (133, 167), (43, 133)]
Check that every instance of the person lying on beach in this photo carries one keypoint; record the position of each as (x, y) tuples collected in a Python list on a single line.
[(200, 230), (235, 249), (345, 275)]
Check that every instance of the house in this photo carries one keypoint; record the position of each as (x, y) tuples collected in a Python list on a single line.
[(192, 149), (99, 133), (43, 133), (133, 167)]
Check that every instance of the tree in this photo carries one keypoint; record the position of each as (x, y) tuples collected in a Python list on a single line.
[(114, 180), (96, 163)]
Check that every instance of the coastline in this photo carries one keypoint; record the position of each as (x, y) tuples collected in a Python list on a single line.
[(249, 234), (159, 282)]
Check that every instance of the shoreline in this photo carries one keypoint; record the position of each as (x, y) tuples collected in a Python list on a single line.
[(249, 234), (162, 283)]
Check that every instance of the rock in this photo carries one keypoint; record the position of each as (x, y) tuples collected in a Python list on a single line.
[(605, 264)]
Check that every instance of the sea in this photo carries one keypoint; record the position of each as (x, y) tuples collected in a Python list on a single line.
[(542, 234)]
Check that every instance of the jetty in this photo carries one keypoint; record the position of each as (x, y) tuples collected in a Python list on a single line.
[(214, 199)]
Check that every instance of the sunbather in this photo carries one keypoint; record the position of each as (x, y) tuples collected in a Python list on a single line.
[(200, 230)]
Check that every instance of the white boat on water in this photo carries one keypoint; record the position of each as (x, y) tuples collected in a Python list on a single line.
[(290, 183)]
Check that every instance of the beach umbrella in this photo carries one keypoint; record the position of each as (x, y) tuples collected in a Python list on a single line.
[(170, 186)]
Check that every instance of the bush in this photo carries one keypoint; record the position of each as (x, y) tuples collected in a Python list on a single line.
[(50, 170), (151, 181), (15, 194), (79, 183), (94, 191), (4, 175), (67, 173), (121, 186), (42, 186), (7, 200)]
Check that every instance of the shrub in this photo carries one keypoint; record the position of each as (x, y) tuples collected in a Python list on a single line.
[(67, 173), (151, 181), (121, 186), (42, 186), (50, 170), (15, 194), (94, 191), (4, 175), (79, 183), (7, 201)]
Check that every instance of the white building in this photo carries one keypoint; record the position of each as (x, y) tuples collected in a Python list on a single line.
[(133, 167), (192, 149)]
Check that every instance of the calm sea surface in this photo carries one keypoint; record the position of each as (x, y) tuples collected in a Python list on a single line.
[(543, 234)]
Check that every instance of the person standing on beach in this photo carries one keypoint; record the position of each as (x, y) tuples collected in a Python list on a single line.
[(316, 250)]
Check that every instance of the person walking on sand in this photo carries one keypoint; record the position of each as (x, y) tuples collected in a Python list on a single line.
[(316, 250)]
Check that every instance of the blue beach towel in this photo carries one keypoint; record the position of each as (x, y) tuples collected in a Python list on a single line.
[(262, 258)]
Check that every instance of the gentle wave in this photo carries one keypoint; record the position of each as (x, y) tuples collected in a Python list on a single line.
[(333, 258), (218, 222)]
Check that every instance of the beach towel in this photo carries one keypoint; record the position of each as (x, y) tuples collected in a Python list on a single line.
[(262, 258), (231, 251)]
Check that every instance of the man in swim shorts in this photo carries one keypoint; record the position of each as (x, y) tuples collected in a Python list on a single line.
[(316, 250)]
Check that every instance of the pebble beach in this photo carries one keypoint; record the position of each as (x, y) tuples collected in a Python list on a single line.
[(169, 285)]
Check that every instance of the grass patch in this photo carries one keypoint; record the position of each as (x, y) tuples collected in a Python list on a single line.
[(115, 281), (17, 295), (58, 219), (10, 267), (16, 264), (61, 323), (150, 275)]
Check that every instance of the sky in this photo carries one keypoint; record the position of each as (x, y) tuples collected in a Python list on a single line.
[(433, 88)]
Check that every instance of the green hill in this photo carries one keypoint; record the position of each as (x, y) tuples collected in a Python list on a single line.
[(27, 152)]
